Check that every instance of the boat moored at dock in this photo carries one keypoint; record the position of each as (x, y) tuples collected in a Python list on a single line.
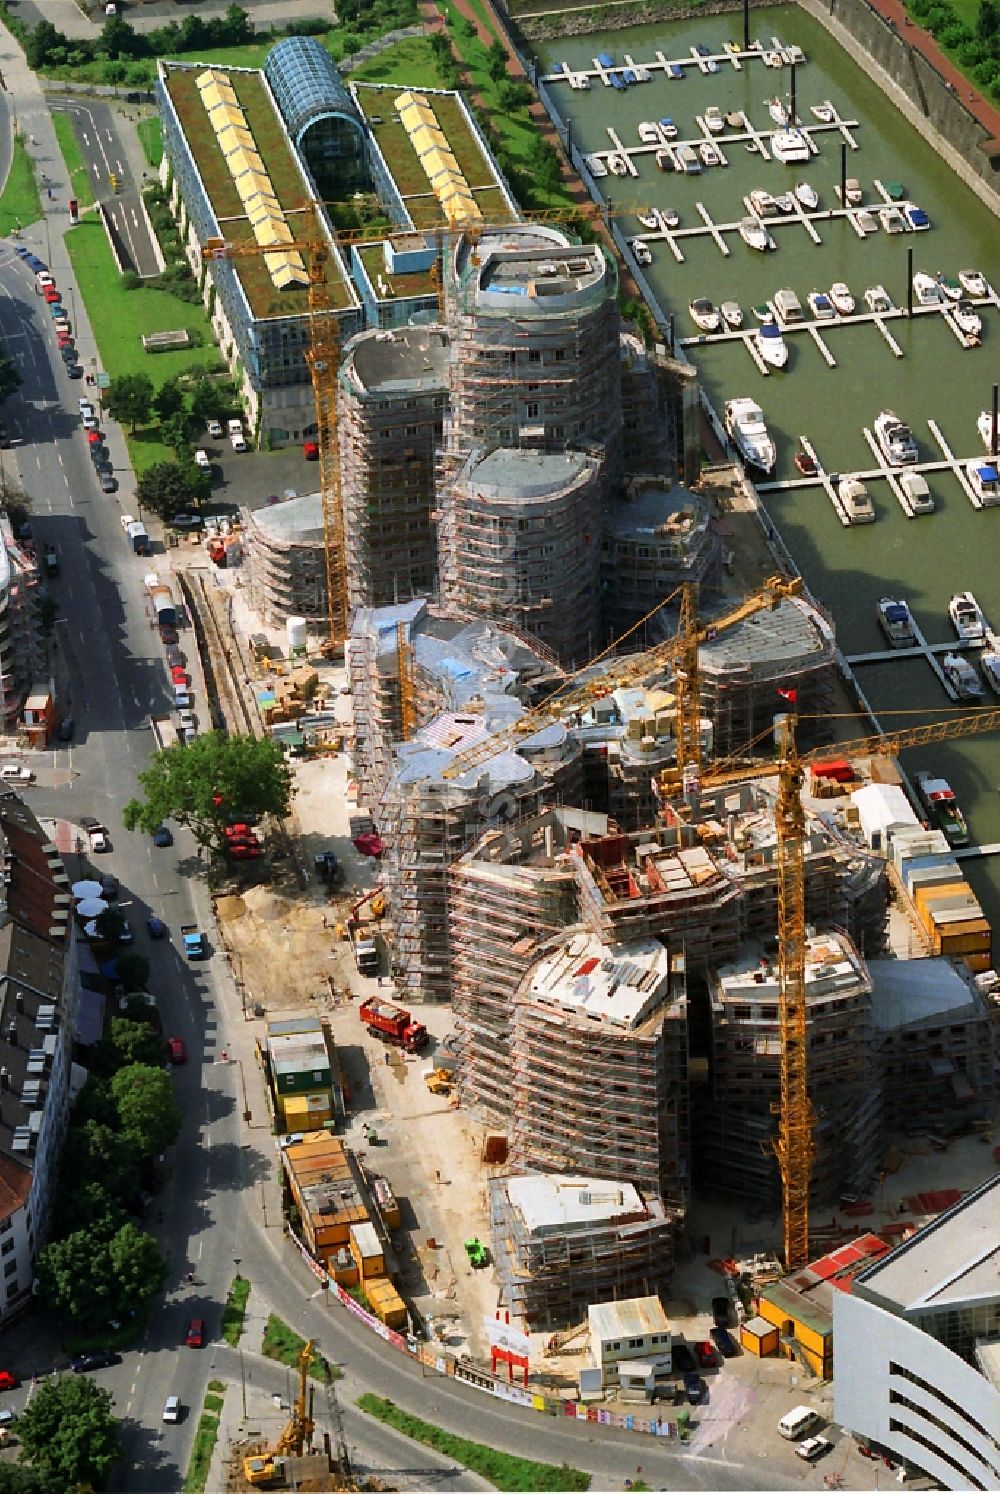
[(895, 439), (807, 195), (745, 424), (967, 617), (732, 314), (916, 491), (821, 306), (770, 344), (973, 282), (895, 621), (705, 314), (926, 289), (984, 479), (790, 147), (855, 501), (962, 677), (989, 435), (939, 801), (840, 295), (878, 299)]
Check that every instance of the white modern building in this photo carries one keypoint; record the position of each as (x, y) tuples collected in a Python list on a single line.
[(915, 1348)]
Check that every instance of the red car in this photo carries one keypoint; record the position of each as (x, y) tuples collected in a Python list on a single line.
[(196, 1334), (8, 1381), (176, 1050), (64, 340), (94, 438), (705, 1355), (51, 294), (243, 850), (310, 450), (178, 676)]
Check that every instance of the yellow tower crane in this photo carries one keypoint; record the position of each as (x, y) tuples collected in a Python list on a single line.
[(794, 1146), (407, 688)]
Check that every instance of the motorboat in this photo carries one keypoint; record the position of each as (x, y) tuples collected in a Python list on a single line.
[(686, 159), (865, 221), (675, 71), (710, 153), (669, 218), (926, 289), (789, 147), (714, 121), (915, 216), (704, 54), (805, 464), (648, 133), (785, 203), (705, 314), (967, 617), (984, 479), (795, 54), (938, 799), (878, 299), (894, 191), (649, 218), (820, 305), (736, 119), (773, 59), (732, 314), (916, 492), (895, 621), (825, 113), (778, 111), (642, 74), (579, 81), (755, 235), (950, 285), (771, 346), (891, 219), (895, 439), (762, 203), (745, 424), (667, 128), (788, 306), (840, 295), (989, 662), (962, 677), (763, 311), (987, 433), (665, 160), (595, 165), (642, 252), (855, 501), (967, 319), (807, 195), (618, 165), (973, 282), (852, 194)]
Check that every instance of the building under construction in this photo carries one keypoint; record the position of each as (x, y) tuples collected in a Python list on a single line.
[(599, 1063), (533, 320), (563, 1242), (284, 560), (391, 405), (519, 540)]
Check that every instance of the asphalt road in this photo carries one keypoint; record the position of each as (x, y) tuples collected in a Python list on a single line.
[(96, 130)]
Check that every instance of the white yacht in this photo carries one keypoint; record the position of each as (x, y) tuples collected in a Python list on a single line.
[(668, 129), (710, 153), (788, 306), (856, 501), (891, 219), (745, 424), (820, 305), (914, 485), (878, 299), (649, 218), (648, 133), (754, 234), (967, 319), (825, 113), (618, 165), (950, 285), (704, 314), (642, 252), (714, 120), (778, 111), (785, 203), (984, 425), (973, 282), (762, 203), (669, 217), (790, 147), (926, 289), (732, 314), (852, 196), (895, 621), (595, 165), (807, 195), (915, 216), (989, 662), (771, 346), (840, 295), (962, 677), (686, 160), (984, 479), (895, 439), (967, 617)]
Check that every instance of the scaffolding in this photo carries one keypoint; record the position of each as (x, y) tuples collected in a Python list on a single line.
[(284, 558)]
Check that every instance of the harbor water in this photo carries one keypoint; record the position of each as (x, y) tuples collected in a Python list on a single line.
[(924, 559)]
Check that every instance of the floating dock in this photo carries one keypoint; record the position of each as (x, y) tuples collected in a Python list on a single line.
[(660, 64)]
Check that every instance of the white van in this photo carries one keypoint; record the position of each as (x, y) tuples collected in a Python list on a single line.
[(172, 1408), (798, 1422)]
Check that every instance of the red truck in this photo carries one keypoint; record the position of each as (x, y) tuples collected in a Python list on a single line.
[(393, 1024)]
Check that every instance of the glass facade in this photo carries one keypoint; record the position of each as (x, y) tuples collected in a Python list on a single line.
[(320, 114)]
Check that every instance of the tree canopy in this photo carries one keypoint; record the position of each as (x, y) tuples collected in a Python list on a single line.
[(130, 400), (170, 488), (67, 1430), (19, 1478), (146, 1106), (211, 782), (92, 1274)]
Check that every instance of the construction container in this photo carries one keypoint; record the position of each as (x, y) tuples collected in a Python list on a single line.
[(306, 1112), (909, 843), (759, 1337), (386, 1303), (918, 870), (942, 892), (386, 1200), (366, 1248)]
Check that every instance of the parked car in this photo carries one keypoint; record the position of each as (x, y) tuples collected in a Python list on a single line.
[(813, 1448), (109, 483), (176, 1051), (109, 886), (162, 836), (195, 1338), (175, 656), (310, 450), (238, 443), (168, 633), (95, 1359), (65, 729), (68, 355), (201, 460), (705, 1355), (720, 1311), (75, 370), (186, 521), (724, 1342), (94, 436), (178, 675), (683, 1359), (694, 1388), (8, 1381), (214, 428)]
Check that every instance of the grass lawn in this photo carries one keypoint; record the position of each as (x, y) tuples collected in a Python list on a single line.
[(410, 63), (20, 203), (502, 1470), (120, 317), (235, 1310), (150, 133), (73, 156), (282, 1344), (203, 1447)]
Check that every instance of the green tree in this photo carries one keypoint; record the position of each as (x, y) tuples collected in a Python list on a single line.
[(130, 399), (147, 1109), (67, 1430), (168, 400), (18, 1478), (166, 489), (988, 20), (41, 42), (209, 401), (496, 60), (210, 782), (175, 432), (74, 1277), (95, 1152), (239, 27), (134, 971), (118, 40), (140, 1270), (136, 1042), (88, 1207), (10, 377)]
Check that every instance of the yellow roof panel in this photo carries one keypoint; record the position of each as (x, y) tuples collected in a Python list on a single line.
[(235, 137), (219, 96), (427, 137), (241, 160), (211, 75), (262, 205), (272, 231), (286, 270)]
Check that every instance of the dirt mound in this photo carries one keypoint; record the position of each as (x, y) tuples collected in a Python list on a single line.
[(285, 953), (228, 908)]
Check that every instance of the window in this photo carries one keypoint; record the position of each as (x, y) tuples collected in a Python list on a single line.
[(12, 1290), (8, 1246), (531, 410), (10, 1268), (8, 1224), (635, 1343)]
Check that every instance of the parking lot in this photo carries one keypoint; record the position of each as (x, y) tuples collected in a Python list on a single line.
[(248, 481)]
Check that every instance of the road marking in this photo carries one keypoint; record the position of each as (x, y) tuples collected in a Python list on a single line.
[(201, 1246)]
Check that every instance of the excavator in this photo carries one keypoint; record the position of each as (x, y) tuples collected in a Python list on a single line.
[(266, 1467)]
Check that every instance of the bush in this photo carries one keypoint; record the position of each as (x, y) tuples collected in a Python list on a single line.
[(131, 280)]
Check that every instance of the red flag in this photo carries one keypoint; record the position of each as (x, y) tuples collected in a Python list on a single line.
[(790, 695)]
